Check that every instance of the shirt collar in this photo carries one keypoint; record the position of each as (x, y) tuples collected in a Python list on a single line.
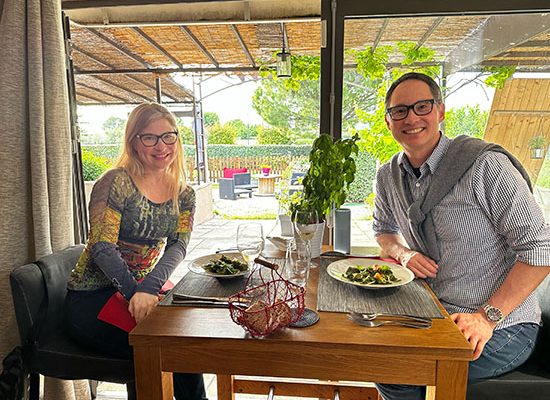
[(433, 160)]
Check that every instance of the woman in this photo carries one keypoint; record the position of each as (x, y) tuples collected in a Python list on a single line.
[(141, 216)]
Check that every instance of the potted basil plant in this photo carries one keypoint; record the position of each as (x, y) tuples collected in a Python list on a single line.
[(331, 171)]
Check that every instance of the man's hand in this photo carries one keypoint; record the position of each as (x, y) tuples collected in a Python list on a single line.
[(475, 328), (141, 304), (419, 264)]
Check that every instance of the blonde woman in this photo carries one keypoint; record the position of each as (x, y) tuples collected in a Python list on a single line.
[(141, 216)]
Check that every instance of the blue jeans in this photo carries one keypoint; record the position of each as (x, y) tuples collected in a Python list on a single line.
[(506, 350), (81, 309)]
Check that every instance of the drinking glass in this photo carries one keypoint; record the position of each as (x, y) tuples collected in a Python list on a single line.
[(297, 262), (250, 242), (305, 224)]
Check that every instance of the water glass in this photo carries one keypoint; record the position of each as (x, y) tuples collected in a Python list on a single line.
[(297, 262)]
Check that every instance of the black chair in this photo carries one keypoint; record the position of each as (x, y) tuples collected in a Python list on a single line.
[(531, 381), (54, 353)]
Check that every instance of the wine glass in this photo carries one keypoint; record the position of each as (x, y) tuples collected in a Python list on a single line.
[(305, 224), (250, 242)]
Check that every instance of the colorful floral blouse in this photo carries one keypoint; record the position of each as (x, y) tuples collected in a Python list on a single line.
[(135, 244)]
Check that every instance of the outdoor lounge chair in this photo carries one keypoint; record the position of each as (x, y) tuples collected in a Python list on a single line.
[(38, 291), (531, 381), (296, 182), (230, 188)]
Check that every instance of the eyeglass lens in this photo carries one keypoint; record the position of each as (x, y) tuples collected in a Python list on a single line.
[(150, 140), (421, 107)]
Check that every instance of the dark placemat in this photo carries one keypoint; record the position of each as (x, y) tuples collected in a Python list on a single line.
[(201, 285), (412, 298), (308, 318)]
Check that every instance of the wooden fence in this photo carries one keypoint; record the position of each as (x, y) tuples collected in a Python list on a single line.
[(253, 164)]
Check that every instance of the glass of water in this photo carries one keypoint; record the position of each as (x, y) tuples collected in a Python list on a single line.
[(297, 263)]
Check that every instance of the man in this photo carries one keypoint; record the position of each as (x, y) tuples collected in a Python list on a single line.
[(477, 237)]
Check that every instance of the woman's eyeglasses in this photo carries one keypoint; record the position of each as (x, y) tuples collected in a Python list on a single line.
[(421, 107), (150, 140)]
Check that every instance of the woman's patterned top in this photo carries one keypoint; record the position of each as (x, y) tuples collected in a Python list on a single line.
[(135, 244)]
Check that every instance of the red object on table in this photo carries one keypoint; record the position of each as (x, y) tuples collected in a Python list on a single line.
[(115, 311)]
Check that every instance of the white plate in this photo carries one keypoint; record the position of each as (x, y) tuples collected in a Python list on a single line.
[(337, 268), (197, 265)]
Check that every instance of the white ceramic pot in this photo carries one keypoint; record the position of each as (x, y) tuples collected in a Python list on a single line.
[(286, 225)]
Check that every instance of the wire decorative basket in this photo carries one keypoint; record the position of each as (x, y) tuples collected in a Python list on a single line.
[(268, 306)]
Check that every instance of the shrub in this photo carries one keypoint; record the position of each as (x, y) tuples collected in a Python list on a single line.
[(543, 179), (274, 136), (218, 134), (93, 166), (361, 187)]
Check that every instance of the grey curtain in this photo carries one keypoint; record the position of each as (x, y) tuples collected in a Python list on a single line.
[(35, 145)]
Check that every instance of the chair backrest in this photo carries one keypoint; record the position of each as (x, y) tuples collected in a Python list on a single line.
[(229, 172), (242, 178), (29, 290), (295, 176)]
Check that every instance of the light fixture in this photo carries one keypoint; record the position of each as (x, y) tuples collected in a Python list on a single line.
[(284, 67)]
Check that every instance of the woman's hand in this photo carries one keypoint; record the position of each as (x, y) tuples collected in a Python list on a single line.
[(141, 304), (476, 329), (421, 265)]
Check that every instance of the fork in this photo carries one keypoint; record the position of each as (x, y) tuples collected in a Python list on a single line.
[(371, 316), (372, 324)]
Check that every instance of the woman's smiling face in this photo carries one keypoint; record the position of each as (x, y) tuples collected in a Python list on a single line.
[(161, 155), (417, 134)]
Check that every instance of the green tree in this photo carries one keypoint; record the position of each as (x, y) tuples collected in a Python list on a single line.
[(244, 131), (114, 129), (211, 118), (218, 134), (274, 135), (466, 120)]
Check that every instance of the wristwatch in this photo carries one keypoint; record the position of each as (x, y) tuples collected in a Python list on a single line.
[(494, 314)]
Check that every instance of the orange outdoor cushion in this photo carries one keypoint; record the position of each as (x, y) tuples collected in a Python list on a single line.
[(228, 172)]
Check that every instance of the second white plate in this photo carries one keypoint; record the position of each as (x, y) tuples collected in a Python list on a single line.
[(337, 268)]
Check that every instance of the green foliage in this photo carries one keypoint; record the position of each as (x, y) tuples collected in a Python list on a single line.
[(543, 179), (218, 134), (372, 64), (211, 118), (93, 166), (244, 131), (361, 186), (185, 133), (537, 142), (274, 136), (114, 129), (331, 171), (498, 75), (303, 69), (466, 120)]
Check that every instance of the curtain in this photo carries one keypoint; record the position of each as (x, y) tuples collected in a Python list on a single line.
[(35, 147)]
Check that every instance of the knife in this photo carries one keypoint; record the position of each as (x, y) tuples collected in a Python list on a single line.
[(179, 296), (206, 303)]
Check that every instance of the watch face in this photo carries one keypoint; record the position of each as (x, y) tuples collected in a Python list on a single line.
[(493, 314)]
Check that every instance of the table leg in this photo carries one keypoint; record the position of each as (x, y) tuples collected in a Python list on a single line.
[(451, 380), (225, 387), (151, 382)]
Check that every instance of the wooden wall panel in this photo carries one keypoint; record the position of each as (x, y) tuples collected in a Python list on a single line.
[(520, 111)]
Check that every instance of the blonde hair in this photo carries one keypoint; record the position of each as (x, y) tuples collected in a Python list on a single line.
[(139, 119)]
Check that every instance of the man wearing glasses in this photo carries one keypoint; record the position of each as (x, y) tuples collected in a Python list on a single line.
[(471, 226)]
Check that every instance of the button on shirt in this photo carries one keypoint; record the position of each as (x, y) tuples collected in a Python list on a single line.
[(483, 225)]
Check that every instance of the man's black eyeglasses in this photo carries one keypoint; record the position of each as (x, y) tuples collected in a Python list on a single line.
[(150, 140), (421, 107)]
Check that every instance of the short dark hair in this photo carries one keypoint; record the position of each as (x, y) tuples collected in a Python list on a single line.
[(434, 87)]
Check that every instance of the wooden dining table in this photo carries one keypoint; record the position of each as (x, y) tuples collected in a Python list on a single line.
[(206, 340)]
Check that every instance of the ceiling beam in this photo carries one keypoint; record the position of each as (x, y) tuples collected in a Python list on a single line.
[(199, 45), (108, 65), (157, 46), (168, 70), (499, 34), (88, 96), (243, 45), (119, 47), (108, 82), (379, 34), (429, 32), (114, 96)]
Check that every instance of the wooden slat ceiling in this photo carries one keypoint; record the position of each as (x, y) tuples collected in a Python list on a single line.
[(118, 64)]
